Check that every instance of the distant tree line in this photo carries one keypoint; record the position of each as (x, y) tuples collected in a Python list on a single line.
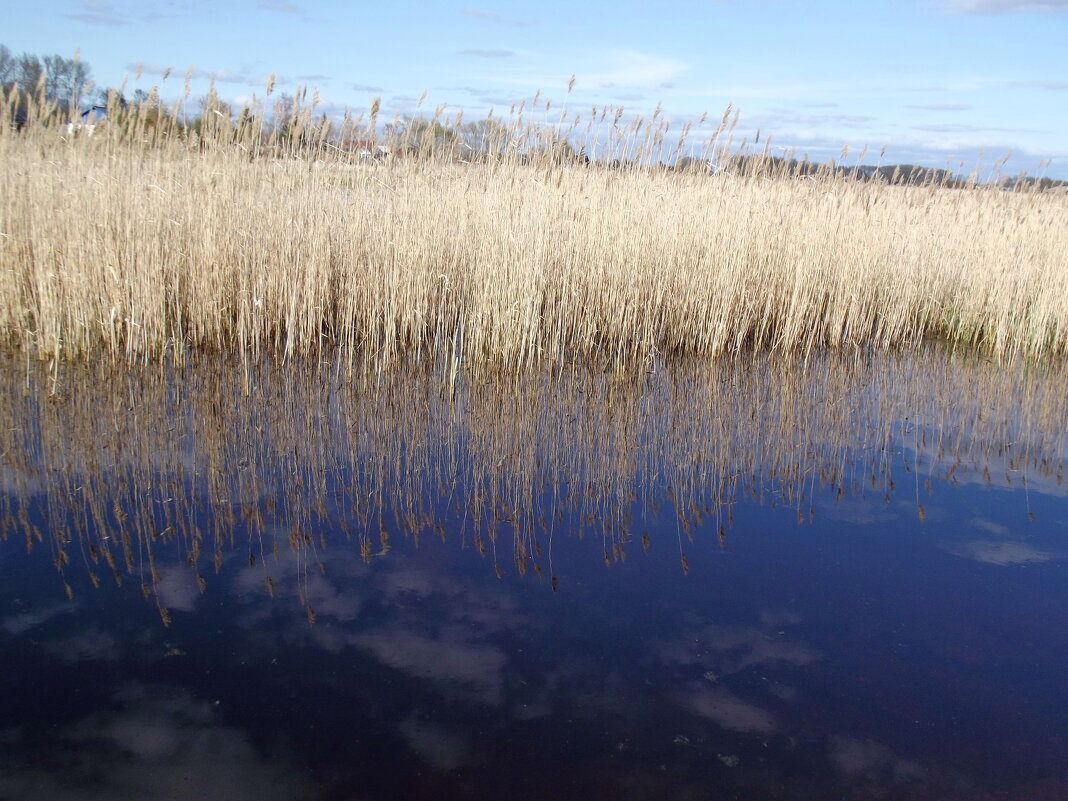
[(55, 85), (753, 165), (61, 82)]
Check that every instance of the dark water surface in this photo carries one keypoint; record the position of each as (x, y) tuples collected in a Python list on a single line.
[(844, 580)]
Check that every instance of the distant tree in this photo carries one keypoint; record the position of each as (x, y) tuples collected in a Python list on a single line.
[(293, 126), (7, 65), (28, 72), (549, 144), (66, 80), (214, 116), (13, 71), (249, 129), (422, 135), (297, 131), (482, 138), (246, 119), (62, 81), (148, 110), (109, 98), (285, 111)]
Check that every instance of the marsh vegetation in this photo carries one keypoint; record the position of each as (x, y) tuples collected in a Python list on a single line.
[(154, 239)]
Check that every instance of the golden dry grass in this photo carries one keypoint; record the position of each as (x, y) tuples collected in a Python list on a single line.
[(142, 242)]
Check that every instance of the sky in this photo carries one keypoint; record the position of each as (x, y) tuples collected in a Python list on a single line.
[(945, 83)]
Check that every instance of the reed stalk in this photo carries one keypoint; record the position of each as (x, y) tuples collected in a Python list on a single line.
[(157, 237)]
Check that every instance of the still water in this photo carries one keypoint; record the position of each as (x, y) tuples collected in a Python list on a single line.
[(838, 580)]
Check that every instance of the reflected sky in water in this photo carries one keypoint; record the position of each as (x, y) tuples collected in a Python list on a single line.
[(751, 581)]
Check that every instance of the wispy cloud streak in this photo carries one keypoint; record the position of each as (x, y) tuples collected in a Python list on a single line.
[(1005, 6), (279, 6), (487, 53), (491, 16)]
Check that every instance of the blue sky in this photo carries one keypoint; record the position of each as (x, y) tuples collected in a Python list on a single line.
[(937, 82)]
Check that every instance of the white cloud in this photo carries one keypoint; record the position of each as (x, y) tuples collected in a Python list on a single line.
[(491, 16), (735, 648), (632, 69), (95, 12), (940, 106), (730, 712), (484, 53), (99, 12), (90, 645), (177, 588), (440, 748), (778, 117), (447, 660), (20, 482), (219, 76), (606, 69), (1004, 6), (279, 6), (1004, 552), (162, 743), (855, 758), (1055, 86), (17, 624), (991, 527)]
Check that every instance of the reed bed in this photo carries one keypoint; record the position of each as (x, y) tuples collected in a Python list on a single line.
[(152, 240)]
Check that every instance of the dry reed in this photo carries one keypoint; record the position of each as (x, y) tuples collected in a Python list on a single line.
[(148, 240)]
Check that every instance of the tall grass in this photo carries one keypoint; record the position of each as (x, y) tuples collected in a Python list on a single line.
[(150, 239)]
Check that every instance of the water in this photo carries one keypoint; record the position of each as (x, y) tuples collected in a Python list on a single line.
[(750, 580)]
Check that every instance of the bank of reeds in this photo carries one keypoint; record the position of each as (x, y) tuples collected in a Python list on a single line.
[(154, 239)]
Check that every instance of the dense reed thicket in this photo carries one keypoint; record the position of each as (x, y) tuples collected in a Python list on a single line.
[(153, 239)]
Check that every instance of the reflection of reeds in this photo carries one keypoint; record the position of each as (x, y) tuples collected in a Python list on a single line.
[(130, 467), (150, 239)]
